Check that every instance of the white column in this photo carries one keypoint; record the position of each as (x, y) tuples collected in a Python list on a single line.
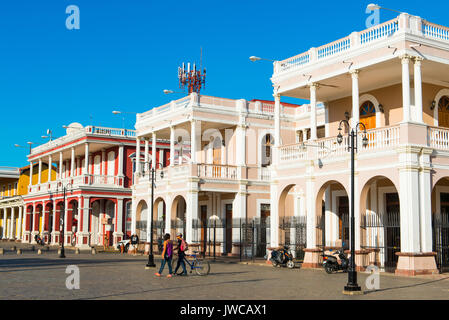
[(193, 141), (11, 224), (329, 236), (4, 223), (172, 146), (409, 199), (72, 163), (304, 135), (418, 90), (60, 165), (153, 151), (241, 145), (355, 97), (405, 88), (146, 166), (39, 177), (103, 162), (274, 216), (120, 161), (119, 221), (311, 209), (425, 196), (86, 158), (313, 131), (31, 173), (50, 166), (138, 154), (191, 213), (277, 121), (20, 223)]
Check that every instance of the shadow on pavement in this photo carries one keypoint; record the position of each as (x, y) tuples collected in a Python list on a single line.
[(175, 288), (405, 286)]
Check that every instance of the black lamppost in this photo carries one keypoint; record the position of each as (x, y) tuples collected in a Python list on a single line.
[(151, 263), (62, 218), (352, 287)]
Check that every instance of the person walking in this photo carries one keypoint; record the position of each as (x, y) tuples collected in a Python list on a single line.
[(134, 243), (167, 254), (182, 247)]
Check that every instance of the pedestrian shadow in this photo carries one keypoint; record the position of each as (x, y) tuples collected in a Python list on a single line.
[(405, 286), (175, 289), (33, 263), (226, 273)]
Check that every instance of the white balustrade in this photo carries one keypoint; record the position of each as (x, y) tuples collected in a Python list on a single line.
[(435, 31), (380, 31), (216, 171), (380, 138), (438, 138), (334, 48), (264, 174), (292, 152)]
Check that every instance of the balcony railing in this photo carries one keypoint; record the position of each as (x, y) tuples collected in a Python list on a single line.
[(438, 138), (363, 38), (379, 138), (217, 171), (82, 180), (89, 130)]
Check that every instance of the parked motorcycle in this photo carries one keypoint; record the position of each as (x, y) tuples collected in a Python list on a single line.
[(330, 262), (282, 258)]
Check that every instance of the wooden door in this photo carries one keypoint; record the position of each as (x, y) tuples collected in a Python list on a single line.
[(443, 112), (368, 115), (228, 248)]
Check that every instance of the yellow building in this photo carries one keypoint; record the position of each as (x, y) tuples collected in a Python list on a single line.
[(14, 183)]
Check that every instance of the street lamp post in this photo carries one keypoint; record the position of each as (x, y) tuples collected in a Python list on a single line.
[(352, 287), (62, 219), (151, 263), (19, 146)]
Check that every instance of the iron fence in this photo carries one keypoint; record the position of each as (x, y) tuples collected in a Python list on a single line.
[(383, 235), (440, 228)]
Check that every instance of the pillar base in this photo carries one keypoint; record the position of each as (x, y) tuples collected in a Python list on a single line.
[(312, 258), (413, 264), (361, 259), (118, 236)]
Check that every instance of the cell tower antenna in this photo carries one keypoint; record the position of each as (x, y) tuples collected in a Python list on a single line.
[(194, 79)]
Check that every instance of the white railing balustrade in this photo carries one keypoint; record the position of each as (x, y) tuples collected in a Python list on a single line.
[(380, 138), (292, 152), (294, 62), (435, 31), (216, 171), (264, 174), (380, 31), (438, 138), (334, 48)]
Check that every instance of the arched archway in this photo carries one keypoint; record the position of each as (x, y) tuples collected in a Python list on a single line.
[(48, 223), (159, 219), (142, 220), (332, 216), (72, 222), (440, 223), (95, 234), (178, 216), (380, 223), (38, 221), (436, 111), (292, 220)]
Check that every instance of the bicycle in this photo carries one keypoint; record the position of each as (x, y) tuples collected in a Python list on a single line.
[(201, 266)]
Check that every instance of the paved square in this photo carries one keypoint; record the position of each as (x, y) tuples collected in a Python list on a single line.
[(115, 276)]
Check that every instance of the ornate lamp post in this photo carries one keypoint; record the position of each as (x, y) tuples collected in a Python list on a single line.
[(352, 287), (151, 263), (62, 219)]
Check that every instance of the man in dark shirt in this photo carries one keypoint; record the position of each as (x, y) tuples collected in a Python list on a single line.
[(181, 255), (134, 242)]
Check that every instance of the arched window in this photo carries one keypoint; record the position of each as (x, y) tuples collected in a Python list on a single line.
[(267, 144), (443, 112), (368, 115)]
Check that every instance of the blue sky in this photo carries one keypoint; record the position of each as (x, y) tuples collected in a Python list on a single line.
[(127, 52)]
